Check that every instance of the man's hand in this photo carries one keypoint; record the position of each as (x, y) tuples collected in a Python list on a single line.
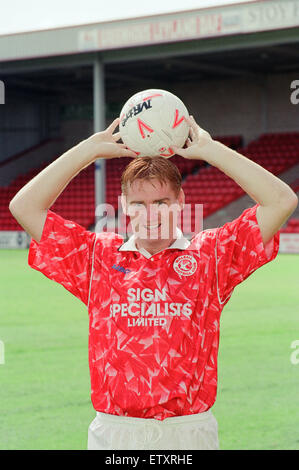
[(277, 201), (104, 144), (29, 206), (197, 140)]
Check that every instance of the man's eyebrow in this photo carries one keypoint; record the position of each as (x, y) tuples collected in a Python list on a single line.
[(156, 200)]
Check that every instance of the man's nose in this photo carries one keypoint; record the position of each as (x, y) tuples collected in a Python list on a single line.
[(152, 212)]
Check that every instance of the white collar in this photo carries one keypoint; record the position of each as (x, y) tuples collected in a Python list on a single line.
[(180, 242)]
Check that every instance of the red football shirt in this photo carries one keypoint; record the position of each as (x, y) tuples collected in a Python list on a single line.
[(153, 322)]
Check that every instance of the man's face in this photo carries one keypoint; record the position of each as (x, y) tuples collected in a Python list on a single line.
[(153, 208)]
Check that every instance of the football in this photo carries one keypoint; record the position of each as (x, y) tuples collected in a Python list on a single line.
[(151, 121)]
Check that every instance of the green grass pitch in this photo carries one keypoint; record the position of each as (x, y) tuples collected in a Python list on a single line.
[(44, 382)]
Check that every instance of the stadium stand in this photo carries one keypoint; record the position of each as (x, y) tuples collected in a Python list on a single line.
[(202, 183), (274, 152), (292, 225), (75, 203)]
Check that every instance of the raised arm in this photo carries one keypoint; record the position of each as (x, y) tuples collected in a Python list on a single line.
[(277, 201), (29, 206)]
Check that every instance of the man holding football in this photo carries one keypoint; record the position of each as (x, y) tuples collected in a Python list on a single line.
[(154, 301)]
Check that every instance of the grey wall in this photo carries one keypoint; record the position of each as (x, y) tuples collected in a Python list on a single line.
[(247, 106), (243, 106), (24, 122)]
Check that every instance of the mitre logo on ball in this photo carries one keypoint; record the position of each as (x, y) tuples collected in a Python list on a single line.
[(151, 121), (185, 265)]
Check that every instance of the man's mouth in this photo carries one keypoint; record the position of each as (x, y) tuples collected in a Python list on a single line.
[(152, 226)]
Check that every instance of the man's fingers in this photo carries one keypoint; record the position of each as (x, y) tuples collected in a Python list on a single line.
[(192, 132), (116, 136), (124, 146), (113, 125), (193, 126), (196, 126), (129, 153), (190, 121), (178, 150)]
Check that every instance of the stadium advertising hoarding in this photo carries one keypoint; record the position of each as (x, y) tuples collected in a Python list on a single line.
[(289, 243), (237, 19), (2, 92), (14, 239), (165, 28)]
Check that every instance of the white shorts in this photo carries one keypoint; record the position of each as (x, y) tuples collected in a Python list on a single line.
[(192, 432)]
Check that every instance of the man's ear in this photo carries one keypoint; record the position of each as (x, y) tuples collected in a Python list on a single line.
[(181, 199), (123, 203)]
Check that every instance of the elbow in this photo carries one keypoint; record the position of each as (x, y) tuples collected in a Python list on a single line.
[(290, 201), (14, 208), (11, 207), (293, 200)]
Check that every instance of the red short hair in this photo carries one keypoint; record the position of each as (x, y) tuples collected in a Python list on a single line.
[(147, 168)]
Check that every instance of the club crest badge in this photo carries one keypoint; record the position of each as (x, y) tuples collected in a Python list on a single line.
[(185, 265)]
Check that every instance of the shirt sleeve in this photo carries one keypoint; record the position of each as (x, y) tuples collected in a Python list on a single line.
[(239, 251), (64, 254)]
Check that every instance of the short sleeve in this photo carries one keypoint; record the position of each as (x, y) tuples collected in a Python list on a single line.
[(239, 251), (64, 254)]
